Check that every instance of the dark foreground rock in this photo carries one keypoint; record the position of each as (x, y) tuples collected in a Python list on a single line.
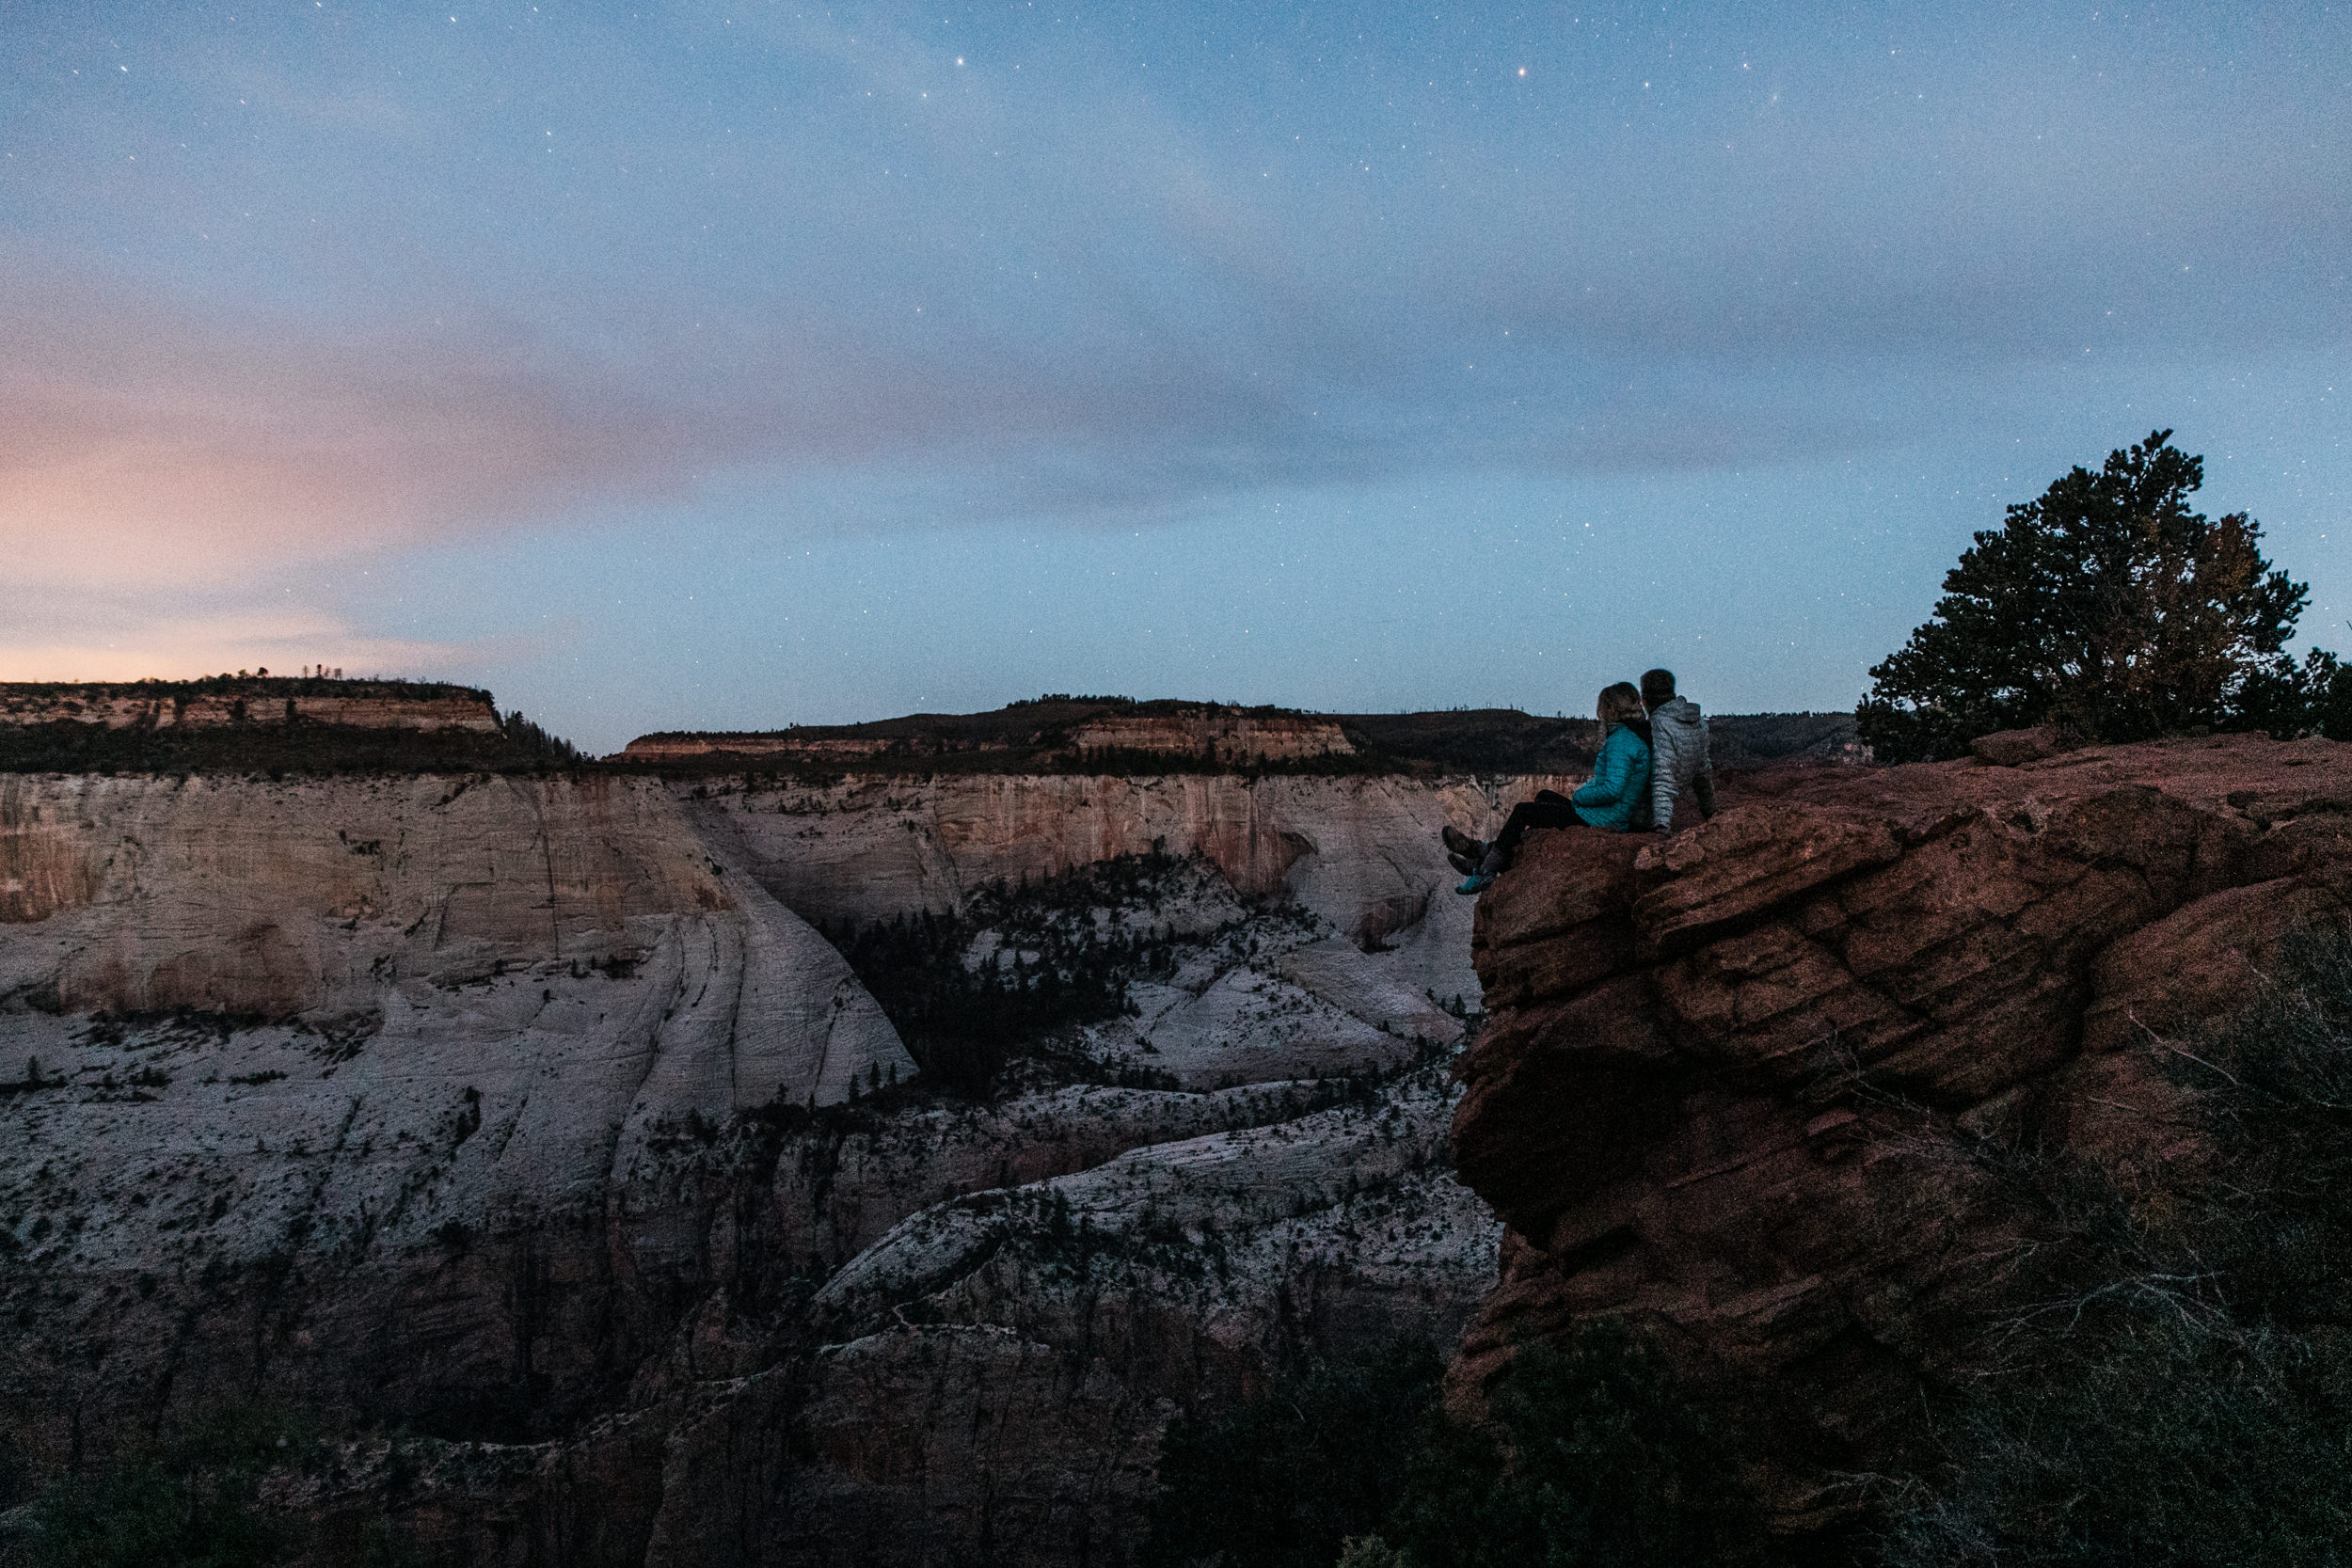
[(1760, 1085)]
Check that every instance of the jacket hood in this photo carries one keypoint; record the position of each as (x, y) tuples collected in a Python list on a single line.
[(1681, 711)]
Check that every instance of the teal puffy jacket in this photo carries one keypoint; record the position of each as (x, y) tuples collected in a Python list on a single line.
[(1619, 783)]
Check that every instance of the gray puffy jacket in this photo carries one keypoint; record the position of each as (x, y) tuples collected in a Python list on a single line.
[(1679, 760)]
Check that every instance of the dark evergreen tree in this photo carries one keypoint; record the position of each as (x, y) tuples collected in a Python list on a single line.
[(536, 741), (2110, 607)]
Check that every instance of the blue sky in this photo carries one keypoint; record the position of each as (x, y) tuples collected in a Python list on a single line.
[(731, 366)]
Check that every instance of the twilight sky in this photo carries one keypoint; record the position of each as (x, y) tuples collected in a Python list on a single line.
[(734, 365)]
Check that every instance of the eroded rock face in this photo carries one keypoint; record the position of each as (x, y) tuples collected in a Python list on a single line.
[(481, 1108), (1236, 736), (367, 908), (1000, 1367), (376, 1092), (1359, 852), (1743, 1082)]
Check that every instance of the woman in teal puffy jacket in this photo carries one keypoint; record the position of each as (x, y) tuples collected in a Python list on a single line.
[(1612, 800)]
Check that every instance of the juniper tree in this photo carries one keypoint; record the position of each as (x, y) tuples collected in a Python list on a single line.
[(2107, 606)]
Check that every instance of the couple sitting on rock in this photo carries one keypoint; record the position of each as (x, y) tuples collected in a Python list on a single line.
[(1653, 746)]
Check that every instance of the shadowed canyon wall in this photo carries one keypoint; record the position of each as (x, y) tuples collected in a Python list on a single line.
[(1361, 853)]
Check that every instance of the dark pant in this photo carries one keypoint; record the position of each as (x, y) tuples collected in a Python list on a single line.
[(1550, 808)]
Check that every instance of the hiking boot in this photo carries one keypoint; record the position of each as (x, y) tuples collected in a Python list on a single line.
[(1463, 864), (1479, 882), (1462, 844)]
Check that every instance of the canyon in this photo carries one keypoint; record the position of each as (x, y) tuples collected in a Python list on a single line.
[(527, 1118), (541, 1130)]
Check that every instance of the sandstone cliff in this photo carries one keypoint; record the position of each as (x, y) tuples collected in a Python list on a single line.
[(372, 909), (1198, 732), (342, 1088), (1235, 735), (1361, 853), (1758, 1086), (226, 701), (480, 1108)]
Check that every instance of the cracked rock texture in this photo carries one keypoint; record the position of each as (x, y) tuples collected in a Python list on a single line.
[(525, 1121), (1750, 1083)]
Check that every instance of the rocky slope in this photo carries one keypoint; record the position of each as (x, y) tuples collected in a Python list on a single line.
[(1765, 1085), (516, 1114)]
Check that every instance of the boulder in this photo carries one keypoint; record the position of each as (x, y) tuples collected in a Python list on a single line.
[(2008, 748)]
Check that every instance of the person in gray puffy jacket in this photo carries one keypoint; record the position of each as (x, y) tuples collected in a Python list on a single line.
[(1678, 759)]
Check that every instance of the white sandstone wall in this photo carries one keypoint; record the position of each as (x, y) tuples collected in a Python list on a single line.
[(1359, 852), (392, 910)]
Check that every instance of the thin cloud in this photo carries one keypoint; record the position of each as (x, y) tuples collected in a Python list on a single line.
[(147, 446), (962, 297)]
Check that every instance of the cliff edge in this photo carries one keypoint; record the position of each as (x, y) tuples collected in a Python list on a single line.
[(1753, 1085)]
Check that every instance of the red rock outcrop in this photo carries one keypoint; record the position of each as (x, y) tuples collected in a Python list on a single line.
[(1742, 1084)]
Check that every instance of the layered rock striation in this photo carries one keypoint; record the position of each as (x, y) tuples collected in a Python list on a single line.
[(378, 908), (1225, 735), (366, 1092), (1759, 1084), (225, 702)]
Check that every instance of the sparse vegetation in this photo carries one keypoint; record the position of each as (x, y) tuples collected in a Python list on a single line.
[(2184, 1396), (2179, 1393), (1589, 1455), (536, 743), (272, 751), (188, 1500), (1051, 966), (1282, 1481)]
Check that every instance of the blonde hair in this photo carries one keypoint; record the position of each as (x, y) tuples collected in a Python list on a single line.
[(1619, 704)]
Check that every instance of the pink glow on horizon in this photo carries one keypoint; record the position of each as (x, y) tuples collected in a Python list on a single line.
[(183, 649), (148, 449)]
